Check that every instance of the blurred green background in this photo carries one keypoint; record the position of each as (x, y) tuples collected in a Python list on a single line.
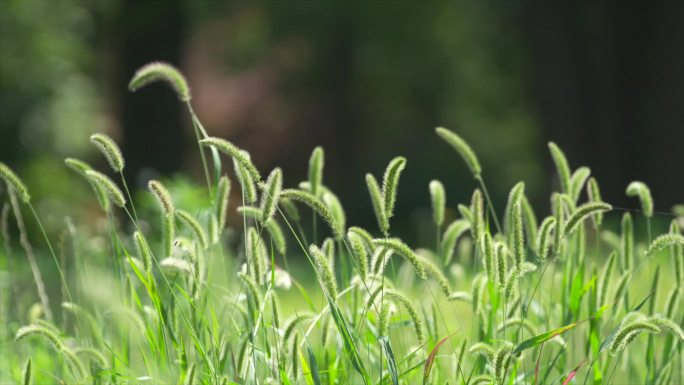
[(366, 80)]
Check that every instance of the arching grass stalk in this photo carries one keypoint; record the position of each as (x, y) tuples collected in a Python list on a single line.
[(160, 71)]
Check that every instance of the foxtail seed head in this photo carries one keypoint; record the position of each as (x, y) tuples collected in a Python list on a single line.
[(450, 237), (577, 181), (396, 245), (234, 152), (192, 223), (411, 310), (627, 333), (583, 212), (378, 203), (501, 359), (110, 150), (316, 205), (77, 165), (39, 330), (518, 237), (562, 167), (276, 233), (332, 202), (168, 233), (157, 71), (487, 248), (627, 242), (222, 200), (143, 250), (247, 184), (108, 186), (543, 237), (483, 349), (438, 200), (514, 197), (667, 324), (664, 241), (437, 274), (390, 184), (482, 379), (94, 355), (290, 209), (558, 214), (162, 194), (500, 256), (81, 167), (325, 270), (316, 164), (462, 148), (639, 189), (356, 243), (13, 182), (530, 220), (256, 254), (477, 210), (271, 193)]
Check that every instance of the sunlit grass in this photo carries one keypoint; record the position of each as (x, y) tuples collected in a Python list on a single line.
[(173, 296)]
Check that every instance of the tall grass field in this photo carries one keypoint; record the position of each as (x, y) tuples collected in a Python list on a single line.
[(585, 294)]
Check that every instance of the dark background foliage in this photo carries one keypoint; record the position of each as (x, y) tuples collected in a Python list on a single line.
[(366, 80)]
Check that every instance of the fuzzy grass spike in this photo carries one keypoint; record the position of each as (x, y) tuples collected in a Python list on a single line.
[(108, 186), (13, 182), (110, 150), (462, 148), (640, 190), (160, 71)]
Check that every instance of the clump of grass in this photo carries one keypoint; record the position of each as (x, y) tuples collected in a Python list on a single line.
[(205, 301)]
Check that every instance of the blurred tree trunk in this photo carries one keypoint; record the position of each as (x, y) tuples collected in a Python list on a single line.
[(610, 86), (151, 118)]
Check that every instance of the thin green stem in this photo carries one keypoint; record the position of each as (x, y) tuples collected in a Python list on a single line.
[(492, 211), (200, 133)]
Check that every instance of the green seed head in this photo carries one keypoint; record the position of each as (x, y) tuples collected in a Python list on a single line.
[(110, 150), (271, 193), (639, 189), (13, 182), (562, 166), (162, 195), (159, 71), (108, 186), (316, 205), (438, 199), (316, 164), (399, 247), (462, 148), (390, 184), (378, 203), (222, 199)]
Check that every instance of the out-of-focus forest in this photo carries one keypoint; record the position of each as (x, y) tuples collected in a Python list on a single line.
[(366, 80)]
